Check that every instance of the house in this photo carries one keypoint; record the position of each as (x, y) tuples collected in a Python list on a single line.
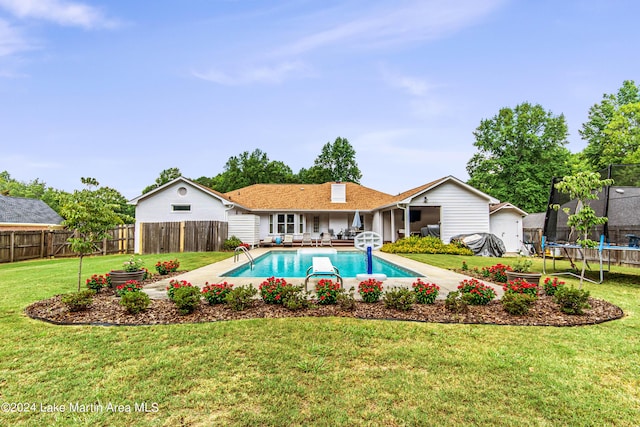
[(22, 214), (260, 212)]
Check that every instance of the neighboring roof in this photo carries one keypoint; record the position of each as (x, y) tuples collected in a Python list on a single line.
[(20, 210), (505, 206), (307, 197), (205, 189), (534, 220)]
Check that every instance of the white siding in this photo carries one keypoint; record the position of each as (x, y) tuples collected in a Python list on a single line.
[(245, 228), (461, 211), (507, 225), (158, 207)]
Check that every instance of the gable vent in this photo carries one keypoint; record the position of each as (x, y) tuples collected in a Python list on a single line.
[(338, 193)]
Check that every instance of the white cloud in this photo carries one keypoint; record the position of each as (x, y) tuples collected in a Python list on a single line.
[(399, 23), (11, 40), (261, 74), (59, 11)]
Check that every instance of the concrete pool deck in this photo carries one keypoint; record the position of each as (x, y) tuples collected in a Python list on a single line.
[(212, 273)]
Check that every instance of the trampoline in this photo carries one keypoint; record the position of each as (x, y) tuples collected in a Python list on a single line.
[(619, 202)]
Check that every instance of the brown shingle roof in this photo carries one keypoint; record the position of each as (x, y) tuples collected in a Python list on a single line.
[(307, 197), (417, 190)]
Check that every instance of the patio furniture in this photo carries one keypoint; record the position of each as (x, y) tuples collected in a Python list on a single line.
[(288, 240), (306, 239), (326, 239), (322, 266)]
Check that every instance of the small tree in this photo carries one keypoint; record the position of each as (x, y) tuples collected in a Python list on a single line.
[(583, 186), (90, 216)]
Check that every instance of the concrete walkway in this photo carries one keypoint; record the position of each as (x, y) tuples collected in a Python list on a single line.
[(212, 273)]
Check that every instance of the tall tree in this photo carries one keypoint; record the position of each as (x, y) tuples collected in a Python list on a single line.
[(336, 162), (622, 143), (601, 115), (165, 176), (251, 168), (520, 150), (90, 214)]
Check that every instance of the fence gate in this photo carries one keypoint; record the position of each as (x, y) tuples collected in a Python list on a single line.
[(186, 236)]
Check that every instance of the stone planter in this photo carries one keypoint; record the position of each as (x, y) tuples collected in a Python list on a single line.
[(119, 277), (529, 277)]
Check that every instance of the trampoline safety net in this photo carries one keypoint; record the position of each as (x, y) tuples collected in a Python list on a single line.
[(620, 203)]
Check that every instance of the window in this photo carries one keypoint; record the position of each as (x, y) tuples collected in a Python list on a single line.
[(285, 223), (301, 224), (181, 208), (316, 224)]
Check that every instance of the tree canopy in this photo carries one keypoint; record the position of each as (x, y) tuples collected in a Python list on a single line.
[(520, 150), (166, 175), (611, 131), (336, 162)]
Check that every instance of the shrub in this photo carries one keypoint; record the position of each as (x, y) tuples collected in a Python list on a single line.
[(187, 299), (231, 243), (523, 265), (241, 298), (270, 290), (551, 286), (216, 293), (497, 273), (327, 291), (517, 304), (370, 290), (97, 282), (78, 301), (399, 299), (424, 245), (135, 302), (174, 285), (457, 302), (521, 286), (572, 300), (426, 293), (346, 301), (133, 264), (166, 267), (294, 298), (480, 294), (128, 287)]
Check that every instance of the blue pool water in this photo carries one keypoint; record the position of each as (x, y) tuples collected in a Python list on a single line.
[(294, 264)]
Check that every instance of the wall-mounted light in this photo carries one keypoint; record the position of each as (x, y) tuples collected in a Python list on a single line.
[(425, 199)]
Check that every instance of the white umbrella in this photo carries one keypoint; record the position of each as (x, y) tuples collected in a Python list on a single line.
[(357, 224)]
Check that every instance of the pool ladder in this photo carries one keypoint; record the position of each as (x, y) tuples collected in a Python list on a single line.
[(236, 254)]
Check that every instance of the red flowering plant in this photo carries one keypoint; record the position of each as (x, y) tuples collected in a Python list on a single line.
[(271, 290), (176, 284), (426, 293), (327, 291), (552, 285), (480, 294), (166, 267), (128, 287), (370, 290), (97, 282), (216, 293), (521, 286), (496, 273)]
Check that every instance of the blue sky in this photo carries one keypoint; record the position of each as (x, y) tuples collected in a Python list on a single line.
[(120, 90)]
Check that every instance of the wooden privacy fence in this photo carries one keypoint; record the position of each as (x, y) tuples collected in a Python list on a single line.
[(24, 245), (186, 236)]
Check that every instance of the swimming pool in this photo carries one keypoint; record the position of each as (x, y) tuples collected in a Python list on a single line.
[(295, 264)]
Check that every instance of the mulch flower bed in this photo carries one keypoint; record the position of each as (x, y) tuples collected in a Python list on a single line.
[(106, 310)]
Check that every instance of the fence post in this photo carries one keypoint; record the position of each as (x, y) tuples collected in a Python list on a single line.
[(181, 237), (12, 243)]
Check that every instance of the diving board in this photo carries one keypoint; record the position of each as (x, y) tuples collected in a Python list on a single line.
[(322, 266)]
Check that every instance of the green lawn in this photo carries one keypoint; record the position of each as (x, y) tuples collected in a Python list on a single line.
[(315, 371)]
